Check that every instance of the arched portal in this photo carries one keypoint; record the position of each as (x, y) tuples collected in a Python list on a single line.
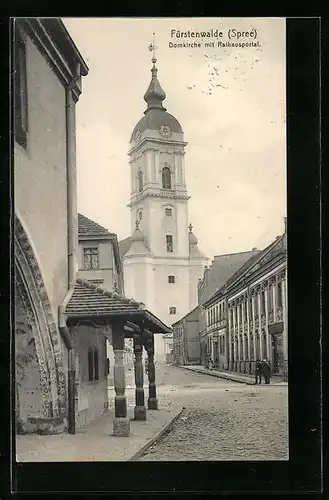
[(39, 372)]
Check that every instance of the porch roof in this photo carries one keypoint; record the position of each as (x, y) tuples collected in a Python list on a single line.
[(91, 301)]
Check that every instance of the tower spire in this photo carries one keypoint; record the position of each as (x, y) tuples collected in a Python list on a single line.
[(154, 94)]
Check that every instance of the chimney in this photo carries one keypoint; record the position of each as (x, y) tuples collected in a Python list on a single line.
[(285, 224), (254, 249)]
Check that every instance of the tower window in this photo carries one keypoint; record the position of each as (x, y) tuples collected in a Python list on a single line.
[(90, 258), (166, 178), (168, 212), (21, 118), (171, 279), (172, 310), (169, 242), (140, 181)]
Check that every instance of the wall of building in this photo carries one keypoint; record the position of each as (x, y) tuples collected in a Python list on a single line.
[(250, 336), (40, 174), (92, 396), (193, 341), (107, 269)]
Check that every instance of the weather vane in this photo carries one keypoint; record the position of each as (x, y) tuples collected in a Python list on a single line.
[(190, 227), (152, 48)]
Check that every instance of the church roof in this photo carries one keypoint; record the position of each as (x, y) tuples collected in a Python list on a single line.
[(156, 115), (154, 119), (276, 246), (124, 246), (222, 268), (88, 227), (90, 301)]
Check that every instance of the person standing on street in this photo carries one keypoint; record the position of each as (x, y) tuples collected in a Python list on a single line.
[(266, 369), (258, 372)]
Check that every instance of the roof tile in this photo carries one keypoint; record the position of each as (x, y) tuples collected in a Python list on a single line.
[(87, 227)]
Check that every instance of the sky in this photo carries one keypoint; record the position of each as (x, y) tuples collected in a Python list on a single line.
[(233, 118)]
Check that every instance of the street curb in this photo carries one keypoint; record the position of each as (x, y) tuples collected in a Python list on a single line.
[(247, 382), (232, 378), (155, 438)]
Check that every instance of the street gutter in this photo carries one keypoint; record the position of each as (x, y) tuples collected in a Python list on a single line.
[(227, 376), (156, 437)]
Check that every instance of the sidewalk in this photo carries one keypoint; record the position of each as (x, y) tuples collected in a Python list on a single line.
[(243, 378), (94, 442)]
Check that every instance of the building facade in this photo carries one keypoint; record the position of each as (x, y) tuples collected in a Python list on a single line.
[(161, 260), (48, 71), (186, 341), (99, 263), (215, 342), (257, 311), (98, 255), (214, 277)]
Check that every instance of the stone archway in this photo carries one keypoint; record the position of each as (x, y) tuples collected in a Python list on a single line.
[(40, 377)]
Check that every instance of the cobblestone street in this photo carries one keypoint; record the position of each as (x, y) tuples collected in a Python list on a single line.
[(222, 420)]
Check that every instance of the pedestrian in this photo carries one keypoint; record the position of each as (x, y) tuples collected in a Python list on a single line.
[(266, 370), (258, 372)]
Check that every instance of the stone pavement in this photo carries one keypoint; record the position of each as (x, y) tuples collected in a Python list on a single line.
[(222, 419), (94, 442), (244, 378)]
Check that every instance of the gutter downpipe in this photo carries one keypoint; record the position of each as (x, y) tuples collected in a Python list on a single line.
[(71, 239)]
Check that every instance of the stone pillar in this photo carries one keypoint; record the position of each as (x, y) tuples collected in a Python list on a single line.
[(140, 409), (268, 340), (274, 287), (152, 402), (260, 333), (253, 298), (229, 335), (233, 337), (121, 424), (248, 327), (285, 328)]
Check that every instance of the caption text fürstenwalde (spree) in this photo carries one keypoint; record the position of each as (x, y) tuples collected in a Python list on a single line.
[(213, 38)]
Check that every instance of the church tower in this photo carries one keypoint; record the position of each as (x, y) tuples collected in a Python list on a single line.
[(163, 263)]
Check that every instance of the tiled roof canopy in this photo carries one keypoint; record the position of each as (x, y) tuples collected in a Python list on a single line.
[(87, 227), (91, 301)]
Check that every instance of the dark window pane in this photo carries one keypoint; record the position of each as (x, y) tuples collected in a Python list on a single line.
[(90, 365), (96, 368), (166, 178)]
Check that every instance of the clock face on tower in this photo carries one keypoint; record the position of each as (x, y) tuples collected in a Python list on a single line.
[(165, 131)]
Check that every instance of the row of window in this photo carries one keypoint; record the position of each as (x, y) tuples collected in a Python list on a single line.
[(217, 313), (254, 308), (166, 179)]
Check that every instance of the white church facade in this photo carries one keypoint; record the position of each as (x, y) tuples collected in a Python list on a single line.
[(161, 260)]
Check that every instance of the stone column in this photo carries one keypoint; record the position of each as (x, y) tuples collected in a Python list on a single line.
[(229, 335), (248, 327), (152, 402), (238, 336), (260, 333), (274, 287), (253, 298), (121, 424), (268, 340), (285, 328), (233, 337), (140, 409)]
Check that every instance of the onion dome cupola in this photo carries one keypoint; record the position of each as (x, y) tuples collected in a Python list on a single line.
[(155, 116), (138, 245), (193, 244)]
